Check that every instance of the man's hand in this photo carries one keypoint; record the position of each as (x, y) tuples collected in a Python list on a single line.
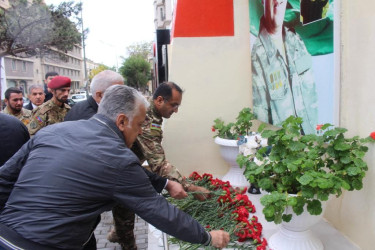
[(219, 238), (202, 193), (176, 190)]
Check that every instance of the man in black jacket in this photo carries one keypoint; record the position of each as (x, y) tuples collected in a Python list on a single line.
[(49, 76), (13, 135), (88, 108), (53, 202)]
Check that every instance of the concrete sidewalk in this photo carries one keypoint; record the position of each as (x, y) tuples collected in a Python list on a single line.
[(105, 226)]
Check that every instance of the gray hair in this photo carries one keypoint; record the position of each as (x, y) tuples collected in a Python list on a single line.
[(35, 86), (121, 99), (103, 80)]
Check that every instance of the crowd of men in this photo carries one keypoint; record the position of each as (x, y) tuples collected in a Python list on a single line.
[(54, 186)]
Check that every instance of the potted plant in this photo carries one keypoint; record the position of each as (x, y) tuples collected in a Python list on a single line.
[(302, 171), (229, 136)]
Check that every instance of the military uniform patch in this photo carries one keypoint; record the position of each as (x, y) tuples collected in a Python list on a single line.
[(26, 121), (33, 125), (39, 119), (155, 126)]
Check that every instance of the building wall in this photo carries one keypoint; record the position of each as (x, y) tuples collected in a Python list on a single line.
[(71, 66), (353, 213), (37, 67), (19, 72), (215, 74), (162, 13)]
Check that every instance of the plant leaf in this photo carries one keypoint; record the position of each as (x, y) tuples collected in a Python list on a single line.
[(314, 207), (305, 179), (287, 217)]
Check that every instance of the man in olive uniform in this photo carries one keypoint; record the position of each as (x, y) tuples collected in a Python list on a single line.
[(14, 101), (166, 100), (54, 110), (283, 83)]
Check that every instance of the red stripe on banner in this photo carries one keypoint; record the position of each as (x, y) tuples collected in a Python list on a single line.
[(203, 18)]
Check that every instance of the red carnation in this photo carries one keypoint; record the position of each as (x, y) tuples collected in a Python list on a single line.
[(372, 135)]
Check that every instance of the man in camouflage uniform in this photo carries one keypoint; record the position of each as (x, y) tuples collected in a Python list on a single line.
[(54, 110), (283, 83), (166, 100), (14, 102)]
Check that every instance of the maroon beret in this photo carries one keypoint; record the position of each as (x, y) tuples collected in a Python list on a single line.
[(59, 82)]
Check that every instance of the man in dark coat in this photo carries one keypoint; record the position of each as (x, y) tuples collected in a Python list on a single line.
[(53, 202), (13, 135), (49, 76), (88, 108)]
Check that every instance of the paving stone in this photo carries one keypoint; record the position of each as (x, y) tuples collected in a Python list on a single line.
[(142, 246), (105, 226)]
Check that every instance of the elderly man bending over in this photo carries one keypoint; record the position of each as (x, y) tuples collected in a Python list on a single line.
[(53, 202)]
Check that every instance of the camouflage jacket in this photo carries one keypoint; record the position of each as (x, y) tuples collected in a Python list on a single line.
[(283, 86), (148, 147), (24, 116), (46, 114)]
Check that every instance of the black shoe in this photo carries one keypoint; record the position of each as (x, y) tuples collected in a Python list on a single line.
[(253, 189)]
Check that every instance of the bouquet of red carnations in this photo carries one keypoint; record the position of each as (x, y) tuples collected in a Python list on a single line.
[(227, 208)]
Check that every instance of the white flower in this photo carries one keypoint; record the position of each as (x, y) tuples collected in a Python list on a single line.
[(258, 162), (253, 143)]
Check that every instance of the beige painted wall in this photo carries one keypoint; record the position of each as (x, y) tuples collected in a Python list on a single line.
[(214, 72), (354, 212), (217, 84)]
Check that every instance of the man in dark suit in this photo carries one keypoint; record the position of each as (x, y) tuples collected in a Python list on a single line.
[(13, 135), (36, 96), (86, 109), (48, 78)]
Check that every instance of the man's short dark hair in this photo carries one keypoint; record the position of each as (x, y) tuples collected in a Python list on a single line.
[(52, 73), (10, 91), (165, 90)]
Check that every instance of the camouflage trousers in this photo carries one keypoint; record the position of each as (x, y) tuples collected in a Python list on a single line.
[(124, 224)]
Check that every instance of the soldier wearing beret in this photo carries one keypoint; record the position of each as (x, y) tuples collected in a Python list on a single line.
[(54, 110)]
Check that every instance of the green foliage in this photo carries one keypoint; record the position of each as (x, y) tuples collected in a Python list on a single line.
[(136, 71), (97, 70), (142, 49), (28, 29), (309, 166), (232, 130)]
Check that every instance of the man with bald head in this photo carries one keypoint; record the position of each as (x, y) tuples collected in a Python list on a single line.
[(86, 109)]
